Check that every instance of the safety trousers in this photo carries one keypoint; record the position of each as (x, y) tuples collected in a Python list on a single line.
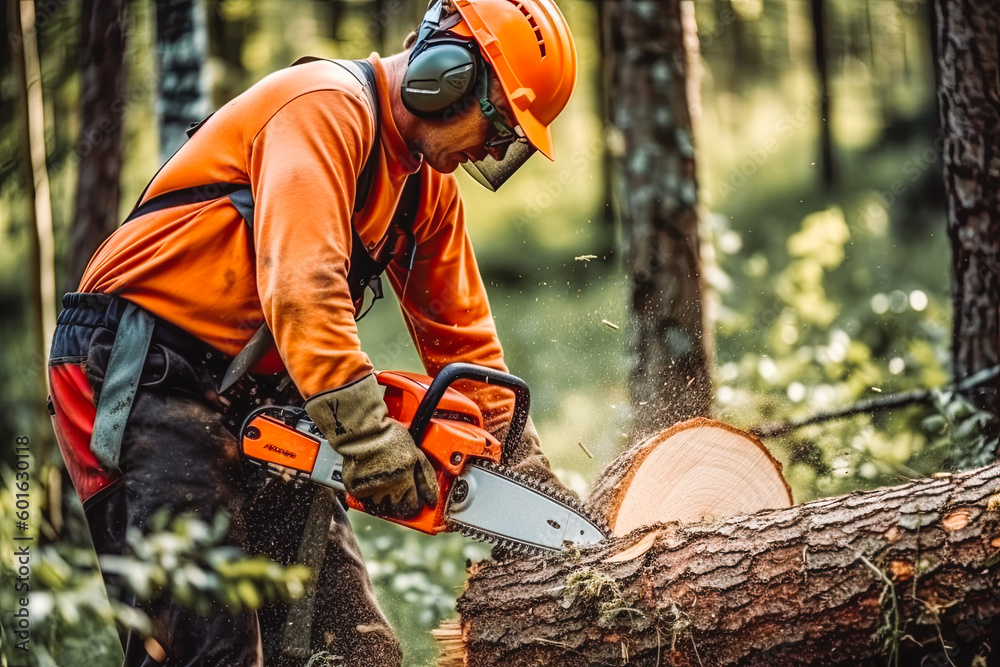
[(179, 455)]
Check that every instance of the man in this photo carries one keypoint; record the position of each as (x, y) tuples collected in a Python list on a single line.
[(251, 248)]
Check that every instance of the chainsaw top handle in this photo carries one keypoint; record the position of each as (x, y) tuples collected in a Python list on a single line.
[(462, 371)]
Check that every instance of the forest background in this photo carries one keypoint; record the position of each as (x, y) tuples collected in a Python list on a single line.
[(826, 269)]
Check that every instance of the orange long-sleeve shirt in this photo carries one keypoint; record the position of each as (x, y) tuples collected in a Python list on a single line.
[(300, 138)]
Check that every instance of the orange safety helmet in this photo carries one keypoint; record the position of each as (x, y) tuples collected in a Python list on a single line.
[(529, 45)]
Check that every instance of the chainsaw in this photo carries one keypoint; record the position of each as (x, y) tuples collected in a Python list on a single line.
[(479, 496)]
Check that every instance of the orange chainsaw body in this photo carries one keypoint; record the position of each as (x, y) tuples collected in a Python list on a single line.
[(455, 433)]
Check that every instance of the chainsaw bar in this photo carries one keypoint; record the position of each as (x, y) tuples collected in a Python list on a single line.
[(491, 503)]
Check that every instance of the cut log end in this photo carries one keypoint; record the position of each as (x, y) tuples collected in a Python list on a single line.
[(692, 471)]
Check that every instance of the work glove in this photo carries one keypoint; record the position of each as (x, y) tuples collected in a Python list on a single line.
[(527, 457), (383, 468)]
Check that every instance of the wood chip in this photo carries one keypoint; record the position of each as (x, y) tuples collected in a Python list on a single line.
[(957, 520), (451, 643), (901, 570), (610, 325), (585, 450)]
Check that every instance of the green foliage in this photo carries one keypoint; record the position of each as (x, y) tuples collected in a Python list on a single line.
[(813, 341), (417, 577), (186, 560), (957, 426), (71, 622), (71, 619)]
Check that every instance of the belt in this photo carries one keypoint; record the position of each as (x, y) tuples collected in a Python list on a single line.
[(136, 329)]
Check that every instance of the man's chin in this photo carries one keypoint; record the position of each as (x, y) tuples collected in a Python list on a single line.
[(444, 166)]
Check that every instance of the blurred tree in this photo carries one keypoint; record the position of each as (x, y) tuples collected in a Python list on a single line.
[(968, 69), (41, 246), (228, 27), (609, 214), (818, 13), (648, 103), (181, 51), (103, 29)]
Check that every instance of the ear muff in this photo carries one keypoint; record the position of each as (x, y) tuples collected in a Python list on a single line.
[(438, 78), (442, 69)]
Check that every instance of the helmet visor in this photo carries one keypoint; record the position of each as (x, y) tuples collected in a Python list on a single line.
[(492, 173)]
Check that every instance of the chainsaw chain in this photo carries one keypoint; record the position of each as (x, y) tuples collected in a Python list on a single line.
[(503, 543), (555, 493)]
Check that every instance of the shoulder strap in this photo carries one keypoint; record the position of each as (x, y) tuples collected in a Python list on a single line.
[(366, 271), (363, 71)]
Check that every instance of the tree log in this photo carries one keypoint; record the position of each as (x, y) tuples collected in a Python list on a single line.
[(904, 574)]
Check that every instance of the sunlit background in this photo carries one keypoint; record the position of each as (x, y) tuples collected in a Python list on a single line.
[(818, 295)]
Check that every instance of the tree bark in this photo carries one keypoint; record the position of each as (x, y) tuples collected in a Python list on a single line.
[(99, 150), (905, 574), (968, 67), (647, 102), (181, 51)]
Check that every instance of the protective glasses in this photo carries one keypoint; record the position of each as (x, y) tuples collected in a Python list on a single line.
[(502, 134), (509, 143)]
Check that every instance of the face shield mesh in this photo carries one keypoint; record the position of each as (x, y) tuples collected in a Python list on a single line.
[(491, 174)]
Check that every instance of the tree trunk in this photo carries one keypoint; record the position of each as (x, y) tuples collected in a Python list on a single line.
[(181, 51), (227, 33), (647, 102), (41, 238), (902, 575), (102, 109), (611, 138), (968, 68), (819, 24)]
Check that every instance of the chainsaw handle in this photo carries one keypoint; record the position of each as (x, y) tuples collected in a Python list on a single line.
[(462, 371)]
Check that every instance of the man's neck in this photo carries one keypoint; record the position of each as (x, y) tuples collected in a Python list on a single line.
[(406, 123)]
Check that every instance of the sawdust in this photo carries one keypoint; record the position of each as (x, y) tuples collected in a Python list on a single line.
[(325, 659)]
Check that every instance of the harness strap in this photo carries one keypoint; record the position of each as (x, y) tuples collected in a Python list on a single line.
[(128, 354), (197, 194)]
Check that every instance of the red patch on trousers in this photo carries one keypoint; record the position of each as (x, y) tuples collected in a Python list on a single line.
[(73, 403)]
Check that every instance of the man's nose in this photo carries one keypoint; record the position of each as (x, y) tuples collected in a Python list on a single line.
[(498, 152)]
